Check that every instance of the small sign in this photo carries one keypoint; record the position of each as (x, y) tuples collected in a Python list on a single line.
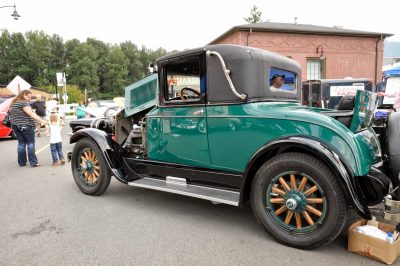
[(60, 79), (346, 90)]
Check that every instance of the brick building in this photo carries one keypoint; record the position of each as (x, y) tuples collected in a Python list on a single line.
[(322, 52)]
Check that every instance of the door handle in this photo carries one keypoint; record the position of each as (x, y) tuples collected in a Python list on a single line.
[(198, 113)]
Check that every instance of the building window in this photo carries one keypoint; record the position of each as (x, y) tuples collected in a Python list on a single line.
[(315, 69)]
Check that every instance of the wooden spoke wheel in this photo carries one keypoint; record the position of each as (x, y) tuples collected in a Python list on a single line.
[(89, 166), (91, 172), (298, 200)]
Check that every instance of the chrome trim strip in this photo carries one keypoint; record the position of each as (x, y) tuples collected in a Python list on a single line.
[(206, 193)]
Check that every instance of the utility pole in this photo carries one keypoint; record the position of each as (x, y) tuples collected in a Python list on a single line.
[(65, 96)]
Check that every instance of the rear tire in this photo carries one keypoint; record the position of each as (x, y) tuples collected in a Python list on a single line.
[(90, 171), (393, 145), (298, 201)]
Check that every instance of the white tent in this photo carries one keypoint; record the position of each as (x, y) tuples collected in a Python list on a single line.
[(390, 66), (17, 85)]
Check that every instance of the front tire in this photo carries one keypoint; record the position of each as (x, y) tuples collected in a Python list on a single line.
[(90, 171), (298, 201)]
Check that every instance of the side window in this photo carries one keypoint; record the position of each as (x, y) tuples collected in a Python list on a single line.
[(282, 80), (184, 82)]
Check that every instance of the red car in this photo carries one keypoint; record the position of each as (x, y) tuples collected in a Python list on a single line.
[(5, 132)]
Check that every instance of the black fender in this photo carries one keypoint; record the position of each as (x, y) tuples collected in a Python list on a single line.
[(393, 144), (112, 152), (319, 150)]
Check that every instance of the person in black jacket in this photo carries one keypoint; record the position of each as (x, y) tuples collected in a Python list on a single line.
[(39, 107)]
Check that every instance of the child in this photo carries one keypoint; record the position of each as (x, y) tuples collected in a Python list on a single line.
[(54, 131)]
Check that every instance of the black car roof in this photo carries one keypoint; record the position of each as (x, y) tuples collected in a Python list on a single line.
[(249, 70)]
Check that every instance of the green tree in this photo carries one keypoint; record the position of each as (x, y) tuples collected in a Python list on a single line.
[(13, 55), (115, 73), (255, 16), (82, 67), (99, 67), (57, 59), (102, 51), (38, 58), (134, 65), (6, 58), (75, 95)]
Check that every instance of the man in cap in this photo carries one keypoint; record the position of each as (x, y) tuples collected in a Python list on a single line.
[(277, 81)]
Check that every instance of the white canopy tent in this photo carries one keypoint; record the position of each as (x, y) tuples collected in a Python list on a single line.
[(17, 85)]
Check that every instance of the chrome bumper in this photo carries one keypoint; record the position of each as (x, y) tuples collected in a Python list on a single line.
[(392, 210)]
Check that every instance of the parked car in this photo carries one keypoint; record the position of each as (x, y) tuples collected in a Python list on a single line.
[(327, 93), (238, 139), (103, 122), (5, 132)]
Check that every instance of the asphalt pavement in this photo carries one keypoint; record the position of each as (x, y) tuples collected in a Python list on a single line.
[(46, 220)]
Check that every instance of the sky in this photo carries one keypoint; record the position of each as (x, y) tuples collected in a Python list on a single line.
[(179, 24)]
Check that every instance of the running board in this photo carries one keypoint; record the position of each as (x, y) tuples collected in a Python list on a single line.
[(207, 193)]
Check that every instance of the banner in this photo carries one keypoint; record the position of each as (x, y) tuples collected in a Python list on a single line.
[(60, 80)]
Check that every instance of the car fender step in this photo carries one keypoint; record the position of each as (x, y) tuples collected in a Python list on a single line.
[(180, 187)]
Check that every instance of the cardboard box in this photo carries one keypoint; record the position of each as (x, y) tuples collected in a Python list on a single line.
[(372, 247)]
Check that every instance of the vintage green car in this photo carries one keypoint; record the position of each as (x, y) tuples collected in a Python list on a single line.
[(224, 123)]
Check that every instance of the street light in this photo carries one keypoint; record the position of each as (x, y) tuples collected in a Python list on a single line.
[(320, 51), (14, 14)]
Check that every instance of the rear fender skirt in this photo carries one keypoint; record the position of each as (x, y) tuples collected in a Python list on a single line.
[(375, 186), (112, 152), (319, 150)]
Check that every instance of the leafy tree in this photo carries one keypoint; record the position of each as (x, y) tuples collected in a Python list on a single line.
[(102, 50), (82, 68), (75, 95), (57, 59), (135, 66), (38, 57), (99, 67), (7, 55), (115, 72), (255, 16)]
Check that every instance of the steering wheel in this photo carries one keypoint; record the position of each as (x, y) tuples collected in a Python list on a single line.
[(184, 95)]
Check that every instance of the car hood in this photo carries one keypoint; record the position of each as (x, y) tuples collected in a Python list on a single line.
[(85, 121)]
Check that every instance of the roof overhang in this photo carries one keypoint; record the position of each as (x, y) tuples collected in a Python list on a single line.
[(300, 30)]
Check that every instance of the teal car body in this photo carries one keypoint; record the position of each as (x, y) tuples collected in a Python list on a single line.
[(241, 130), (225, 123)]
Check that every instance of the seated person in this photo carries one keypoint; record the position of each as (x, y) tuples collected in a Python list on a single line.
[(278, 83)]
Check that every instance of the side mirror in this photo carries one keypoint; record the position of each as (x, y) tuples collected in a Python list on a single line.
[(152, 68)]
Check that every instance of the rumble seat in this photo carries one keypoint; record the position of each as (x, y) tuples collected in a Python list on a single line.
[(346, 104)]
